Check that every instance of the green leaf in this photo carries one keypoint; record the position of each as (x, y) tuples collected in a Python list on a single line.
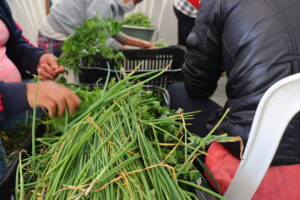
[(90, 40)]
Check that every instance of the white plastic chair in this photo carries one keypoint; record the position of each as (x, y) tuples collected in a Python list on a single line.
[(275, 110)]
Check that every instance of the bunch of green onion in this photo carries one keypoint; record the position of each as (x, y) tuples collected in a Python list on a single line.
[(121, 145)]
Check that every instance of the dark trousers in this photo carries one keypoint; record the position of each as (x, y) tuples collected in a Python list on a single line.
[(185, 24), (180, 99)]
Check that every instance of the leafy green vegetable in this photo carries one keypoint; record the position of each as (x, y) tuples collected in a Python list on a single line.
[(114, 147), (161, 43), (88, 41), (138, 19)]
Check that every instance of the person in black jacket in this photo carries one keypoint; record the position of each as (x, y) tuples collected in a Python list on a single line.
[(256, 43)]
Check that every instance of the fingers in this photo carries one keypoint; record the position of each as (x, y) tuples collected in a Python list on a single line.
[(60, 69), (52, 96), (67, 100), (72, 103), (123, 47), (146, 45), (51, 106), (52, 61), (149, 45), (46, 72), (48, 67), (61, 104)]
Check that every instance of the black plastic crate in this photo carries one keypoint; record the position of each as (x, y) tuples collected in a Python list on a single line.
[(147, 59), (7, 184)]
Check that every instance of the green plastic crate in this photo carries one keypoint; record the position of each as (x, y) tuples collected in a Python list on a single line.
[(138, 32)]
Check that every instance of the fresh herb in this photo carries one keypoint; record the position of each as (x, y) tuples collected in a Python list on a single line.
[(138, 19), (161, 43), (121, 144), (88, 41)]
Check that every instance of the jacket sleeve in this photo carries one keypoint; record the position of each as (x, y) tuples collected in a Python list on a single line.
[(13, 99), (24, 55), (203, 61), (27, 56)]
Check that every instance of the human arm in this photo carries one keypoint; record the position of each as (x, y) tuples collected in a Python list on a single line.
[(47, 67), (113, 43), (20, 51), (203, 61), (132, 41), (18, 97)]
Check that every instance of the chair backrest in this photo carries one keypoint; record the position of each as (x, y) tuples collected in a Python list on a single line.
[(275, 110), (29, 14)]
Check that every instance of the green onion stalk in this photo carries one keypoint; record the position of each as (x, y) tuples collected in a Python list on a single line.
[(121, 144)]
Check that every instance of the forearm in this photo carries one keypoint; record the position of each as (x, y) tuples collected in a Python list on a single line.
[(125, 39), (25, 55), (113, 43), (132, 41), (201, 70)]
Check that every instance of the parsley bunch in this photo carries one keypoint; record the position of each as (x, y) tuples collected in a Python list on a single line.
[(88, 41)]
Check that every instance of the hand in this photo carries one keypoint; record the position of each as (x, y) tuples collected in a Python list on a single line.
[(52, 96), (145, 44), (123, 47), (48, 67)]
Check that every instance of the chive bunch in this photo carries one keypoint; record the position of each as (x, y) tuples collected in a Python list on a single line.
[(122, 144)]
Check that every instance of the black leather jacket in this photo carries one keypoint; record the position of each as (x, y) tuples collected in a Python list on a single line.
[(256, 43)]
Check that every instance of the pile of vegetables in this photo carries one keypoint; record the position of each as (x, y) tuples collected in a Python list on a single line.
[(121, 144), (138, 19), (89, 40)]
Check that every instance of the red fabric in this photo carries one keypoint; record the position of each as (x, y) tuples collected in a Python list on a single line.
[(279, 183), (195, 3)]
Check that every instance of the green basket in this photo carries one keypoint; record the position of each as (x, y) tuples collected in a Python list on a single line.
[(138, 32)]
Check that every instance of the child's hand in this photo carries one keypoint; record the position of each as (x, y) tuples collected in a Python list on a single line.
[(48, 67), (52, 96)]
